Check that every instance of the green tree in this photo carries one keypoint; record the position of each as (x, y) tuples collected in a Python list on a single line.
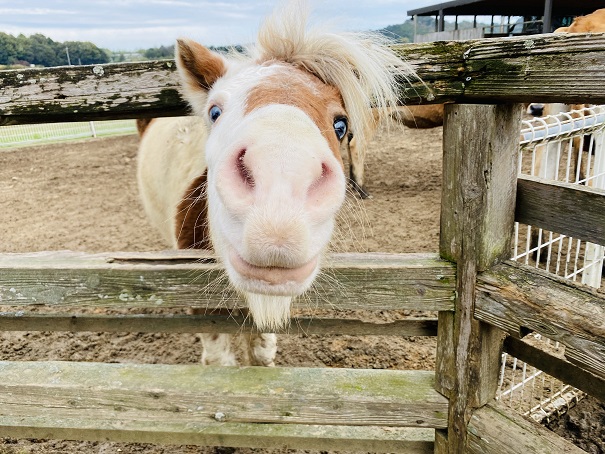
[(24, 51), (8, 49), (157, 53), (405, 32), (85, 53), (43, 51)]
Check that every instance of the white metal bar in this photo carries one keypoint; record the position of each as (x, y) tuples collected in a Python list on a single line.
[(552, 147)]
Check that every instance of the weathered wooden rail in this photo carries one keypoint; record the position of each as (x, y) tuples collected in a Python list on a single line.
[(484, 302), (524, 69), (68, 282)]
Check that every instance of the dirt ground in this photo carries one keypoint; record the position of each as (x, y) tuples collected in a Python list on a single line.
[(584, 425), (83, 197)]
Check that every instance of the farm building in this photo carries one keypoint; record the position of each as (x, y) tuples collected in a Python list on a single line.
[(516, 17)]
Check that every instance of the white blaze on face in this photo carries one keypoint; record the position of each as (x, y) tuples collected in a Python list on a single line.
[(274, 185), (275, 178)]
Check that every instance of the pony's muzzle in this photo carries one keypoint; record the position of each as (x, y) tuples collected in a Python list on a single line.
[(272, 275)]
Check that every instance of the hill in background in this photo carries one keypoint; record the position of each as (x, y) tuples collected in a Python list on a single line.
[(39, 50), (400, 32)]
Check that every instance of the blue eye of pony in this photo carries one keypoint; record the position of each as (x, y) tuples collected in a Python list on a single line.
[(214, 113), (340, 127)]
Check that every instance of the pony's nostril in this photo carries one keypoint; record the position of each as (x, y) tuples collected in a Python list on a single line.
[(325, 170), (244, 171)]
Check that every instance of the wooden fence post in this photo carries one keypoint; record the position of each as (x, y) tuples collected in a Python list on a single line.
[(480, 146)]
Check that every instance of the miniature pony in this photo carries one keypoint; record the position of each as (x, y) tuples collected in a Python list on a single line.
[(257, 174)]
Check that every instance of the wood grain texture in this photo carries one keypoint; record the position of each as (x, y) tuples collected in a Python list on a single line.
[(518, 298), (552, 67), (409, 440), (91, 92), (441, 443), (561, 68), (200, 394), (223, 322), (495, 429), (587, 361), (477, 217), (557, 367), (445, 363), (354, 281), (570, 209), (479, 176)]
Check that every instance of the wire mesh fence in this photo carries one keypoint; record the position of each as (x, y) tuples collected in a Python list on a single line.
[(24, 135), (530, 391), (567, 147)]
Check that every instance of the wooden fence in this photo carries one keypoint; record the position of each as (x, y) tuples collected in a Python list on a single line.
[(484, 302)]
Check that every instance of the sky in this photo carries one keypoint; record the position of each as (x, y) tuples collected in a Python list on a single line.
[(126, 25)]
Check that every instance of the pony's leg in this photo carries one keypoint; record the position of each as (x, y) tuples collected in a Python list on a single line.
[(217, 350), (578, 160), (261, 349)]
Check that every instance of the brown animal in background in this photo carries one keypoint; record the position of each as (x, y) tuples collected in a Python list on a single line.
[(546, 160), (591, 23)]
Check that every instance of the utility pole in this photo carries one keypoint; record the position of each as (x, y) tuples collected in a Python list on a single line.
[(547, 19), (441, 21), (415, 27)]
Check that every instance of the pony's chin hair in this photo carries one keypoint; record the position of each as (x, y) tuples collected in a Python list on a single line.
[(269, 312)]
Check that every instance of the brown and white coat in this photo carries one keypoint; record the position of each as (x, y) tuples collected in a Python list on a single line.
[(257, 173)]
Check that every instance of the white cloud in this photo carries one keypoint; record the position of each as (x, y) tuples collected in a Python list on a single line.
[(135, 24), (34, 11)]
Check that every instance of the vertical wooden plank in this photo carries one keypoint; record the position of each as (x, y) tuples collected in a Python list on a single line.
[(445, 362), (440, 441), (477, 216), (479, 181)]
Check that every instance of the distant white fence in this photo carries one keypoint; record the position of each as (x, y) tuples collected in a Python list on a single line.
[(568, 147), (450, 35), (501, 29), (22, 135)]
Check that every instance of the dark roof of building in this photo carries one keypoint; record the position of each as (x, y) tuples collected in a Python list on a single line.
[(560, 8)]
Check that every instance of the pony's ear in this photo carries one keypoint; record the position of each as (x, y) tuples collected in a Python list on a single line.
[(198, 66)]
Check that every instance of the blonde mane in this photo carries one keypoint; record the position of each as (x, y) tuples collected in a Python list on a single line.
[(360, 65)]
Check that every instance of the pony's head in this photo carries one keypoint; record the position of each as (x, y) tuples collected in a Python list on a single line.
[(276, 119)]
